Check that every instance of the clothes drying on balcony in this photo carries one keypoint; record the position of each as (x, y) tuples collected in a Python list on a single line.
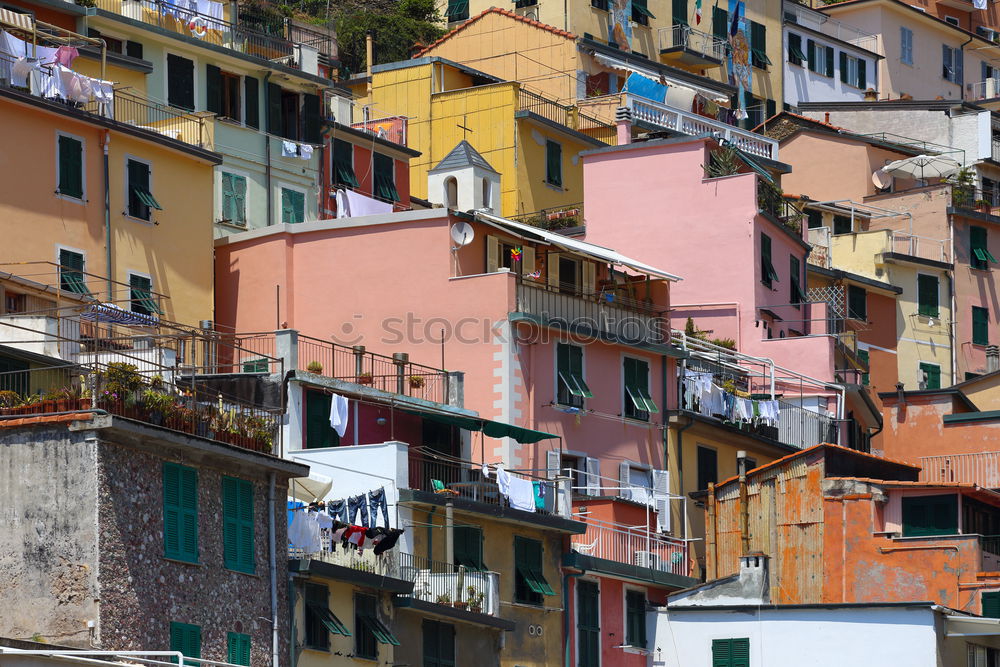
[(110, 313), (338, 414), (519, 492), (352, 204)]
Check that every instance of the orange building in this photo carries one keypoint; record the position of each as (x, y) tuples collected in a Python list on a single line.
[(843, 526)]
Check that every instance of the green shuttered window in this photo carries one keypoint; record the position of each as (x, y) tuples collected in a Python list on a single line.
[(140, 196), (180, 512), (180, 82), (638, 402), (857, 303), (457, 10), (679, 13), (553, 163), (569, 369), (238, 648), (588, 624), (343, 163), (185, 638), (237, 524), (71, 276), (641, 13), (720, 23), (141, 295), (795, 54), (758, 45), (251, 93), (980, 325), (293, 206), (930, 515), (932, 375), (234, 199), (320, 622), (863, 357), (795, 273), (384, 170), (980, 256), (927, 295), (439, 644), (991, 604), (369, 630), (469, 548), (70, 167), (530, 585), (768, 275), (635, 619), (318, 431), (731, 652)]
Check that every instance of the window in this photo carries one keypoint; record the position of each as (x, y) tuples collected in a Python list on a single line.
[(70, 176), (319, 620), (553, 163), (282, 112), (141, 295), (857, 303), (679, 13), (185, 638), (343, 163), (588, 623), (369, 631), (768, 275), (708, 467), (982, 656), (180, 82), (458, 10), (140, 195), (71, 276), (853, 71), (731, 652), (905, 45), (815, 218), (293, 206), (180, 513), (234, 199), (468, 547), (952, 20), (991, 604), (572, 388), (319, 433), (598, 4), (251, 93), (758, 45), (569, 275), (795, 273), (238, 648), (820, 58), (641, 13), (795, 54), (980, 326), (530, 585), (930, 515), (842, 225), (638, 402), (237, 524), (980, 256), (15, 303), (951, 64), (863, 358), (439, 644), (927, 295), (222, 92), (720, 23), (385, 177), (487, 194), (635, 618), (931, 375)]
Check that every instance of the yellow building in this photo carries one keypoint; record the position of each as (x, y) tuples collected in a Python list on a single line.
[(527, 138)]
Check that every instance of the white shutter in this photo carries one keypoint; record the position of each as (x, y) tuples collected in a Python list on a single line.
[(589, 278), (553, 461), (527, 260), (552, 269), (492, 254), (623, 480), (661, 500), (593, 476)]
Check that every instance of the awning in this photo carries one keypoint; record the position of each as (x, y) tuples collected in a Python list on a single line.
[(494, 429), (112, 314), (146, 197), (589, 249), (311, 488), (619, 64), (971, 626), (143, 298), (73, 282)]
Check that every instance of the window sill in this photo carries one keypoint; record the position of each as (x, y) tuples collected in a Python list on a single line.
[(182, 562), (139, 220), (247, 574), (636, 650), (553, 186), (72, 199), (316, 649), (528, 605), (230, 121)]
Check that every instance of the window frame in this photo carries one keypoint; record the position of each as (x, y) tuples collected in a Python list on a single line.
[(796, 56), (979, 253), (434, 627), (225, 97), (474, 562), (758, 56), (930, 369), (728, 659), (150, 310), (82, 199), (635, 397), (456, 10), (575, 384), (768, 276), (984, 313), (147, 206), (950, 499), (905, 45), (186, 629), (242, 642), (698, 464), (798, 296), (350, 175), (194, 81), (928, 310), (596, 583), (530, 585), (550, 146), (384, 191), (852, 294), (318, 619), (60, 249), (369, 630), (864, 355), (282, 186)]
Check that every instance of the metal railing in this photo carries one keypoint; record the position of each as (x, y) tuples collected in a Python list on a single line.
[(683, 36), (905, 243), (453, 586), (632, 545), (687, 122), (566, 115), (556, 217), (976, 199), (829, 26), (987, 89), (593, 311), (989, 549), (385, 564), (982, 468), (771, 202)]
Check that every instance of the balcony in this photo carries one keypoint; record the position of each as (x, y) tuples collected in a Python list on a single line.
[(772, 203), (985, 201), (641, 550), (568, 116), (685, 46), (602, 314), (982, 468), (554, 218), (988, 89), (686, 122)]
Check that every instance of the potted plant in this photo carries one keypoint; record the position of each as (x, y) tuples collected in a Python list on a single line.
[(417, 382), (158, 404), (315, 367), (76, 397), (364, 378), (260, 433), (983, 206), (460, 604), (444, 598), (9, 400), (476, 603)]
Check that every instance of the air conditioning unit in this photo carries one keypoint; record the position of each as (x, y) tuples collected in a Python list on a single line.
[(647, 559)]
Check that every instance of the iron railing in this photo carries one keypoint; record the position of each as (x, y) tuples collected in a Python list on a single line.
[(632, 545), (556, 217), (773, 203), (683, 36), (568, 116), (983, 200), (453, 586), (593, 311), (385, 564)]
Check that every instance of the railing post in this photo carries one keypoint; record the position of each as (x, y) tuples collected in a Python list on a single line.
[(286, 345), (400, 359)]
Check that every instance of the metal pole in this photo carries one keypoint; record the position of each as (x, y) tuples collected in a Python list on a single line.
[(741, 464)]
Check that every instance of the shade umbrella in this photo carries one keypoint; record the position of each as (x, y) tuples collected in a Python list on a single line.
[(923, 166)]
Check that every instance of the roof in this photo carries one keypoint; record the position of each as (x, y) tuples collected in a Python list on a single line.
[(836, 7), (980, 491), (797, 123), (463, 155), (495, 10), (946, 391), (428, 60), (814, 605), (841, 274)]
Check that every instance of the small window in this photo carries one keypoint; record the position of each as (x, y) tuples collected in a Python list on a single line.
[(951, 63), (180, 512), (468, 548), (635, 618), (70, 176), (319, 620), (952, 20), (15, 303), (980, 326), (730, 652), (553, 163), (238, 524), (451, 192), (385, 178), (234, 199), (991, 605), (439, 644), (842, 225), (133, 49), (369, 631), (927, 295), (572, 388), (931, 375), (487, 194), (708, 468), (71, 276), (795, 54), (343, 164), (186, 639), (238, 648), (569, 275), (293, 206), (857, 303), (768, 275), (815, 218), (638, 402), (141, 297), (530, 585), (458, 10), (979, 252), (180, 82), (599, 4), (231, 96), (930, 515), (905, 45), (140, 194)]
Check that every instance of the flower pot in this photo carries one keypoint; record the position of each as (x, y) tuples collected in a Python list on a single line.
[(460, 605), (364, 379)]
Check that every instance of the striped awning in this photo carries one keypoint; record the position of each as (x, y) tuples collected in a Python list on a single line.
[(109, 313)]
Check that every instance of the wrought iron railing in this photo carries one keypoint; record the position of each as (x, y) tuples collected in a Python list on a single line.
[(678, 35), (773, 203), (568, 116), (556, 217), (983, 200)]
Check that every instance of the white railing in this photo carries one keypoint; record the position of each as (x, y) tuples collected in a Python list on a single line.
[(686, 122), (385, 564), (632, 545), (987, 89), (906, 243), (982, 468), (452, 586), (814, 20), (694, 40)]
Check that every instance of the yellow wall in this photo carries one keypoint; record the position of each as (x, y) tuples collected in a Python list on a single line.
[(121, 76), (984, 391), (535, 194)]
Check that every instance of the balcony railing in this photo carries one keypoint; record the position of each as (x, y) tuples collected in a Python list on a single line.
[(557, 217), (771, 202), (987, 89), (566, 115), (826, 25), (687, 122), (385, 564), (474, 591), (976, 199), (982, 468), (682, 36), (905, 243), (630, 545), (597, 313)]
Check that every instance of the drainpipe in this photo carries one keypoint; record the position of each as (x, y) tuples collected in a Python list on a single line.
[(741, 464), (566, 630), (267, 149), (273, 569), (953, 299), (107, 215), (961, 54)]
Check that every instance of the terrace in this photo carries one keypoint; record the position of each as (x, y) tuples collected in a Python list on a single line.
[(645, 553), (568, 116)]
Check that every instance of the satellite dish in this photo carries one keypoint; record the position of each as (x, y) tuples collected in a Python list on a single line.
[(882, 180), (462, 234)]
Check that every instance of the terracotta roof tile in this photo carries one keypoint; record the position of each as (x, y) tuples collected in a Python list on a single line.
[(494, 10), (30, 420)]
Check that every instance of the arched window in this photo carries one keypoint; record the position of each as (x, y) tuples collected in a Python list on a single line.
[(487, 191), (451, 192)]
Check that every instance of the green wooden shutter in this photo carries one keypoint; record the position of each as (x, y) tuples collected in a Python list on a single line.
[(180, 82), (239, 199), (980, 325), (292, 206), (553, 163), (739, 652), (133, 49), (766, 268), (244, 507), (251, 92), (71, 272), (930, 515), (311, 131), (588, 624), (991, 604), (343, 163), (274, 124), (863, 358), (180, 512), (213, 88), (721, 653), (720, 23), (635, 613), (811, 54), (228, 208), (318, 430), (237, 524), (679, 12), (795, 54), (862, 74), (385, 177), (829, 61), (927, 295), (843, 67), (171, 511), (70, 167), (933, 375), (185, 638), (238, 648)]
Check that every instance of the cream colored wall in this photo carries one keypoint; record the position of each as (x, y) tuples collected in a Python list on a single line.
[(985, 393), (920, 339), (341, 603)]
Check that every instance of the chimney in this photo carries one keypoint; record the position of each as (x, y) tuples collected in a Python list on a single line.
[(754, 576), (992, 358), (623, 121), (827, 118)]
